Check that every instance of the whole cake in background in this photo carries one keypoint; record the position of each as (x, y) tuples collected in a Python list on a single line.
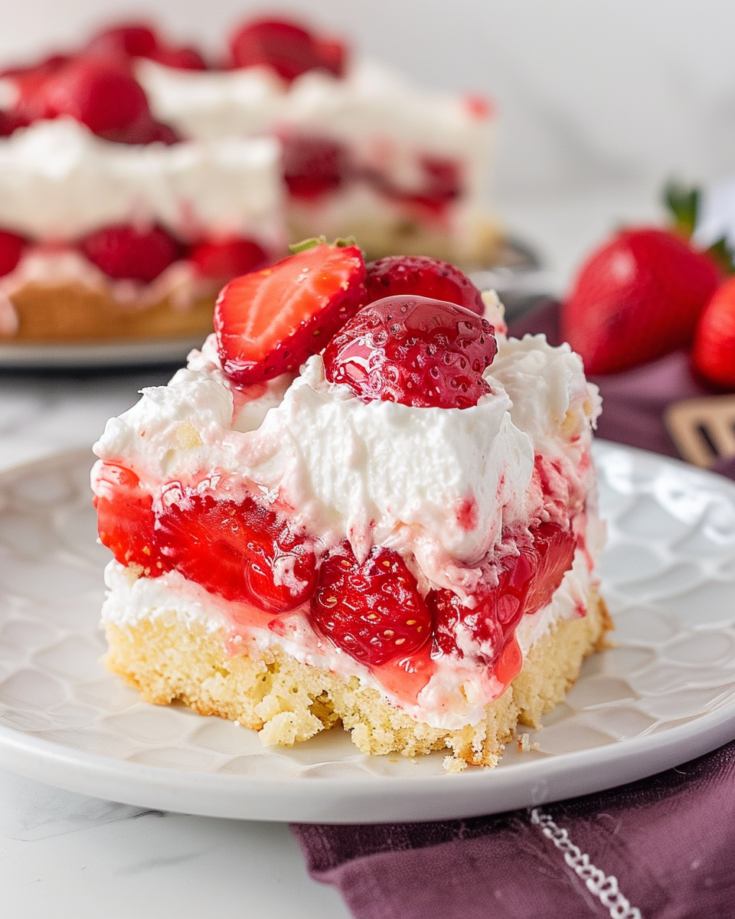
[(135, 178), (360, 502)]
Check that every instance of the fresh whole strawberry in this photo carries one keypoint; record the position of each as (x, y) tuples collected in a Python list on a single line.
[(145, 131), (10, 122), (138, 39), (123, 251), (526, 583), (269, 321), (636, 299), (47, 65), (312, 165), (29, 82), (244, 551), (286, 47), (713, 354), (372, 610), (183, 58), (11, 249), (224, 259), (101, 93), (133, 39), (422, 276), (415, 351), (125, 519)]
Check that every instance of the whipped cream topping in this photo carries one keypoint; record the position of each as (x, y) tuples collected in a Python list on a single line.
[(440, 485), (385, 119), (58, 182)]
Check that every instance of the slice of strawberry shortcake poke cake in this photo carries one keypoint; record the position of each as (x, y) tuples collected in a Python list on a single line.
[(360, 503)]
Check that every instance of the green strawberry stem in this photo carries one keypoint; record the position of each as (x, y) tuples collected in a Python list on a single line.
[(339, 243), (683, 203)]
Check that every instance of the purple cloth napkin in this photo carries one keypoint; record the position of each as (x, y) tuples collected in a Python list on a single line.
[(661, 848)]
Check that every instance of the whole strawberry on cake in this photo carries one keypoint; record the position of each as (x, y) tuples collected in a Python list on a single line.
[(361, 502)]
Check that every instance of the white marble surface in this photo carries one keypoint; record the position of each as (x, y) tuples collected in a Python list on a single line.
[(65, 855), (70, 856)]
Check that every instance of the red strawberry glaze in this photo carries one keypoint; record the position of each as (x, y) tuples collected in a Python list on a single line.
[(420, 275), (467, 513), (313, 166), (11, 249), (125, 519), (405, 677), (525, 584), (243, 550), (285, 46), (415, 351), (124, 251)]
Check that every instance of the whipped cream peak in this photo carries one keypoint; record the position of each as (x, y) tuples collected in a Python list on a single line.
[(58, 181), (441, 486)]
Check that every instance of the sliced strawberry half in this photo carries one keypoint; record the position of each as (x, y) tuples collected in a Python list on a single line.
[(125, 519), (268, 322), (244, 551)]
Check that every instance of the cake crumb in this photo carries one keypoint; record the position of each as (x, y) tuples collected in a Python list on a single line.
[(524, 743), (454, 765)]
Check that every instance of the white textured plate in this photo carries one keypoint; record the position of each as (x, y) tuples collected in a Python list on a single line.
[(97, 354), (664, 694)]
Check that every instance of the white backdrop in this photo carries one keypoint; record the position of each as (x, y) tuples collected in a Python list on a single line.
[(611, 95)]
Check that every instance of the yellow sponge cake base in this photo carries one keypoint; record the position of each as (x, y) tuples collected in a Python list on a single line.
[(169, 658)]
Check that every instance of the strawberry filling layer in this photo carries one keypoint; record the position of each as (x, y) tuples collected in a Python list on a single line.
[(126, 252), (316, 165), (266, 573)]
